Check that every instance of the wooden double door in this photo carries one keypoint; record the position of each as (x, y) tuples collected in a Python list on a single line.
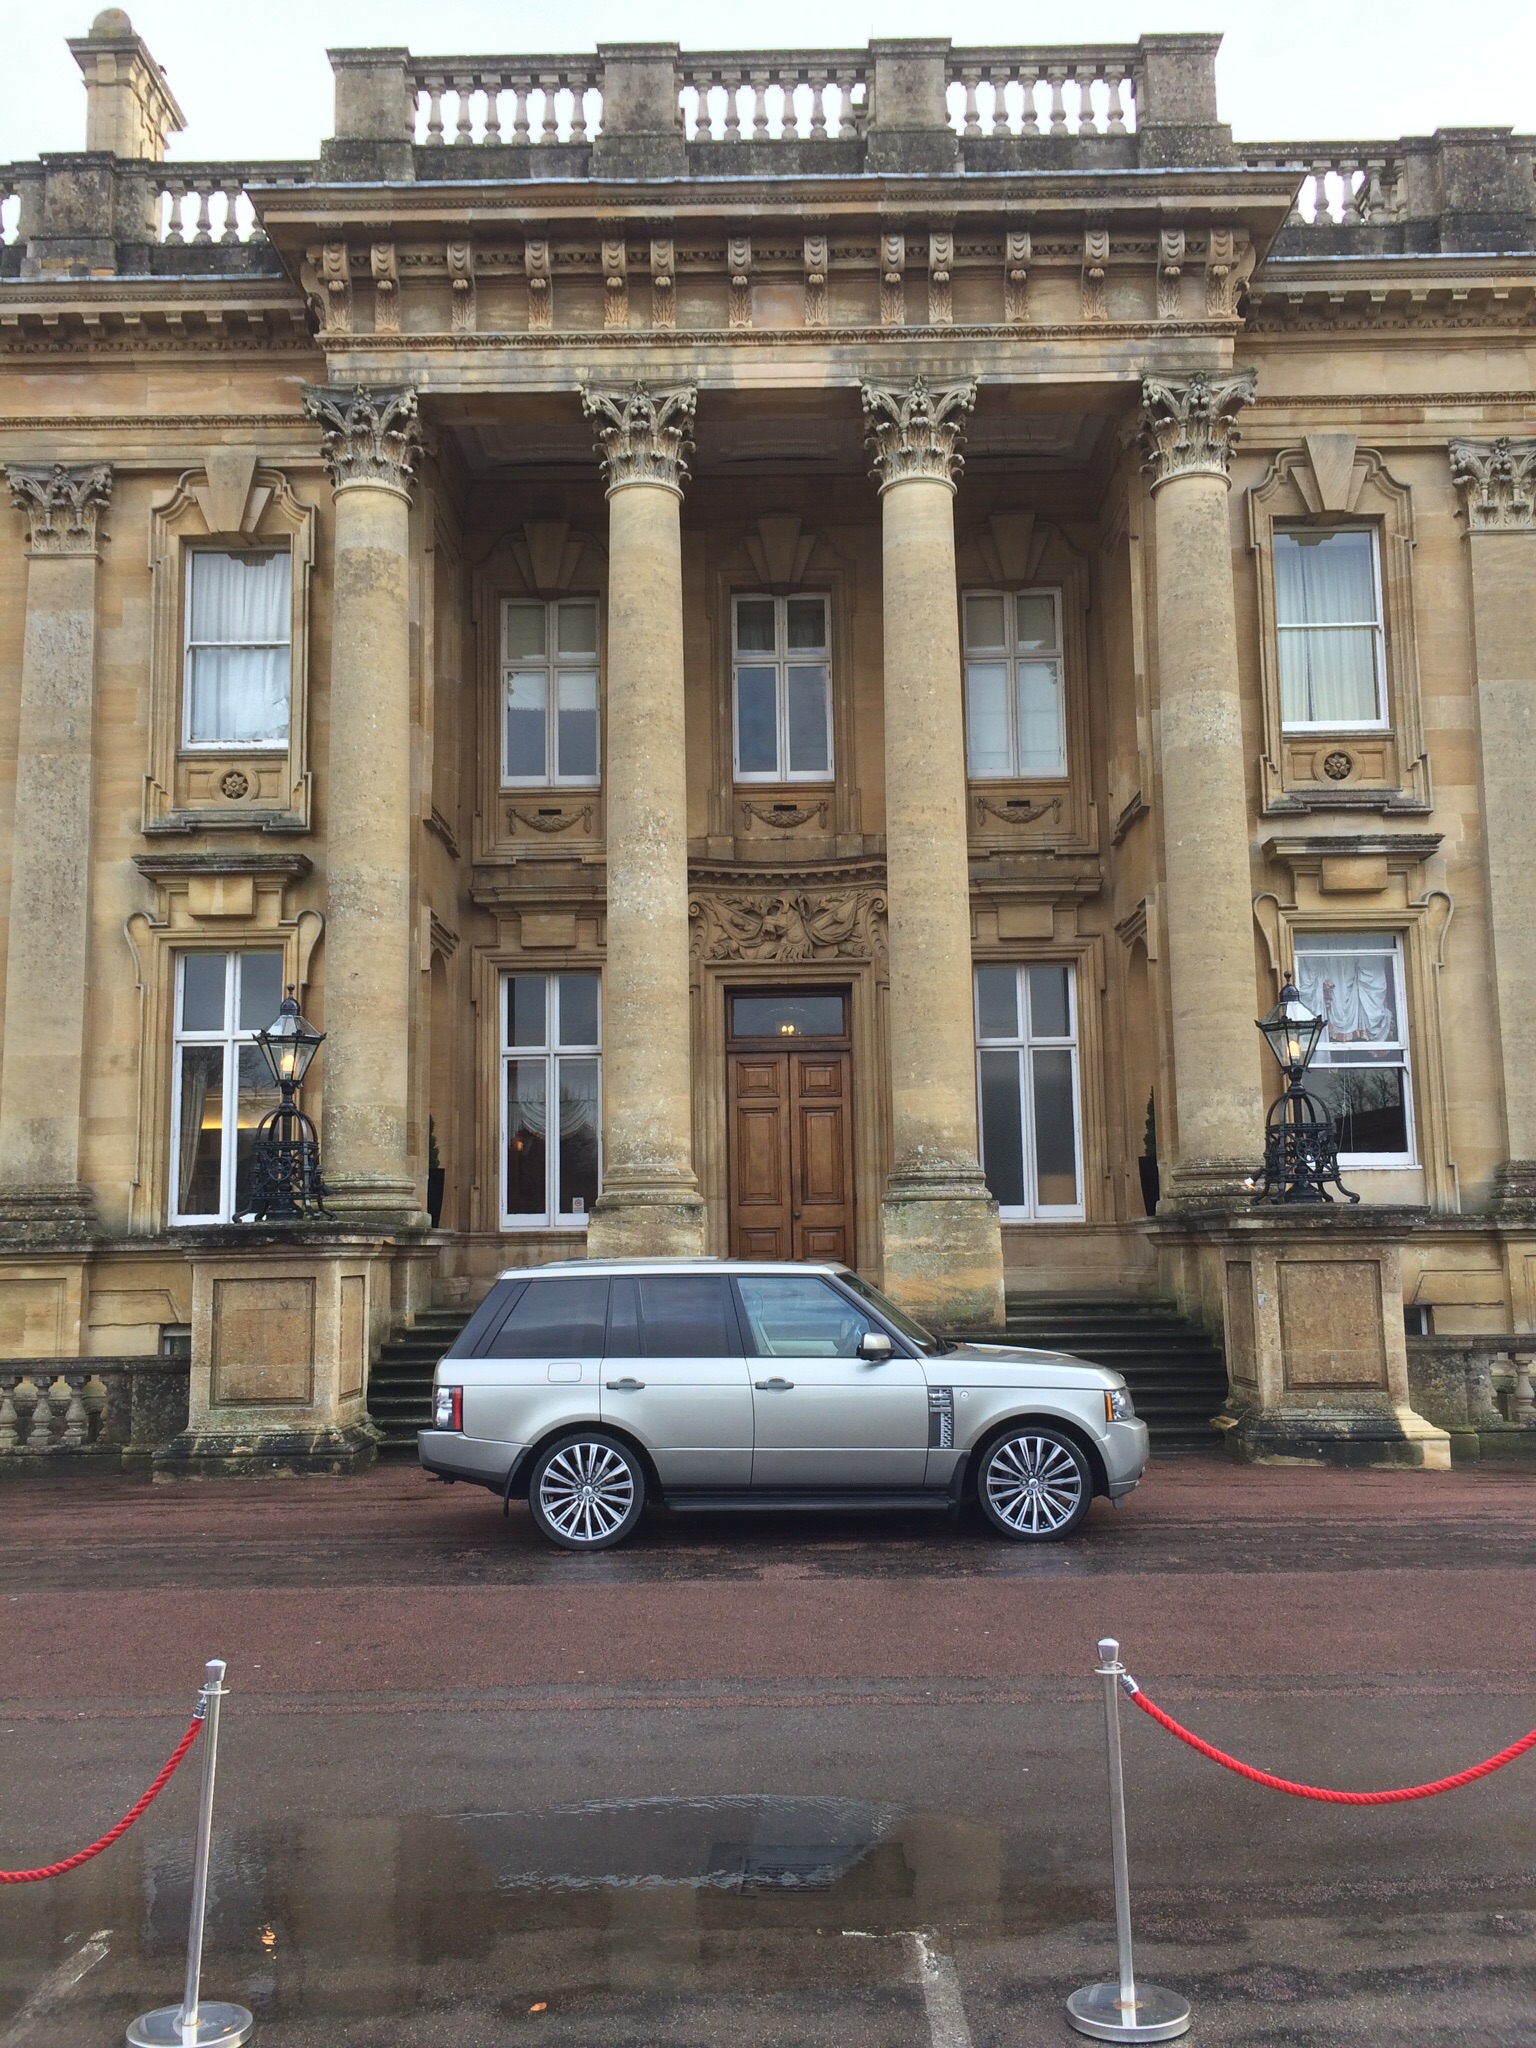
[(791, 1151)]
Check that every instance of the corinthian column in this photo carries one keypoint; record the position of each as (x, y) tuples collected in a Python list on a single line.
[(1497, 480), (650, 1204), (41, 1194), (369, 442), (943, 1252), (1188, 432)]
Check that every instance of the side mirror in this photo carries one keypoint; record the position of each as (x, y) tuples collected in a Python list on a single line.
[(875, 1347)]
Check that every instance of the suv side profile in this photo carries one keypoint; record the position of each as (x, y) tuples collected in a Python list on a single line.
[(592, 1387)]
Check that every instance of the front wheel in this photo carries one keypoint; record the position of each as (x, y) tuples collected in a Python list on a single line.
[(586, 1491), (1034, 1485)]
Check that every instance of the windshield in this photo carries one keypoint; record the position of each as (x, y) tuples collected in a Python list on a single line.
[(926, 1342)]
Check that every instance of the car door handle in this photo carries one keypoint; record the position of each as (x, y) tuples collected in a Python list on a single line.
[(773, 1386), (626, 1386)]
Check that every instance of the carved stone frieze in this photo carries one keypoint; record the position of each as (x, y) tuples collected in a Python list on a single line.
[(816, 259), (1189, 424), (833, 925), (461, 285), (1170, 272), (663, 282), (385, 268), (367, 437), (1016, 258), (1095, 272), (941, 262), (786, 817), (914, 431), (550, 818), (326, 275), (893, 275), (62, 504), (537, 270), (643, 437), (1014, 810), (1497, 481)]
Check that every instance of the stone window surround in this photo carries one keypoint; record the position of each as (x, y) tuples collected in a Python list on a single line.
[(549, 1053), (1025, 1044), (210, 903), (1290, 494), (276, 796)]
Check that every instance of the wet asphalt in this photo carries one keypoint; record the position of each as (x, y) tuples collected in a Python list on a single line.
[(769, 1780)]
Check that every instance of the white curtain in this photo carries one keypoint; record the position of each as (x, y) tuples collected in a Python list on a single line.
[(1355, 992), (237, 633), (1325, 605)]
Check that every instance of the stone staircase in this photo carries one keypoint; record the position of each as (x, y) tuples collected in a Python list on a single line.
[(400, 1385), (1176, 1374)]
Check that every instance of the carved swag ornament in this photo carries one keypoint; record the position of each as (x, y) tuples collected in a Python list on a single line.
[(1497, 481), (62, 505), (847, 925), (643, 437), (367, 437), (916, 431), (1189, 425)]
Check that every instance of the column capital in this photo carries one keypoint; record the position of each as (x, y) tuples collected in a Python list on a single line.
[(1497, 481), (367, 436), (914, 431), (642, 436), (61, 503), (1188, 425)]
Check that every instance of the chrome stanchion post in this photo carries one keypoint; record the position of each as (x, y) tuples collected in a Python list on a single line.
[(1124, 2010), (194, 2023)]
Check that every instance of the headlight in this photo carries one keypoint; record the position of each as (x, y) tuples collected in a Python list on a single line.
[(1118, 1405), (448, 1408)]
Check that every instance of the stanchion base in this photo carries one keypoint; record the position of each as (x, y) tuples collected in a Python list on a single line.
[(218, 2026), (1158, 2016)]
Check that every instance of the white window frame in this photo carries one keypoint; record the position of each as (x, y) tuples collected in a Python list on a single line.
[(551, 1052), (551, 665), (189, 646), (1324, 1062), (230, 1038), (1381, 722), (781, 661), (1026, 1042), (1011, 655)]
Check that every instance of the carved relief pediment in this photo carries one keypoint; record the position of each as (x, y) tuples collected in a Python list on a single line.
[(825, 918)]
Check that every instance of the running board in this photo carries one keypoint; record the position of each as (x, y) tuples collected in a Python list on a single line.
[(767, 1500)]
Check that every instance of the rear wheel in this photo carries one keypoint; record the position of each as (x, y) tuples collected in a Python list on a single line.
[(1034, 1484), (586, 1491)]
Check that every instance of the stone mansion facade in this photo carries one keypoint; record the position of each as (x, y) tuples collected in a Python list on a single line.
[(785, 650)]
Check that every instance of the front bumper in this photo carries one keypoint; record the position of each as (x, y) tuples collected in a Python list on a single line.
[(484, 1461), (1126, 1448)]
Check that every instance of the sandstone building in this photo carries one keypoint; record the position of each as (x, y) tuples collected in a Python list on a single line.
[(785, 650)]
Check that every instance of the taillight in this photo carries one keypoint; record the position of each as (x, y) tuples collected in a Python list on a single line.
[(448, 1408)]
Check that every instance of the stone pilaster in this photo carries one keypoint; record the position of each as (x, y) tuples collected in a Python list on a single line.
[(650, 1204), (942, 1243), (369, 443), (1497, 481), (1215, 1137), (42, 1197)]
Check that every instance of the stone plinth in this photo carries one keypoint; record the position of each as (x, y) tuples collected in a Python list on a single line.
[(1311, 1303), (282, 1333)]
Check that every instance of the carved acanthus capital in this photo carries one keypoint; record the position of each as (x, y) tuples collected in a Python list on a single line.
[(643, 437), (1189, 424), (1497, 481), (916, 431), (62, 505), (367, 437)]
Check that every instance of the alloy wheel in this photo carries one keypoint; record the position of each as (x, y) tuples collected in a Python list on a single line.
[(586, 1492), (1034, 1485)]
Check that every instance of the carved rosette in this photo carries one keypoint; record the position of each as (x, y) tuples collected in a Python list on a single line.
[(1497, 481), (916, 432), (643, 437), (1189, 425), (62, 505), (789, 927), (367, 437)]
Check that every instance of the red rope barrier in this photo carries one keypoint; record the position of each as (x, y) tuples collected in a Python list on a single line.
[(127, 1821), (1323, 1792)]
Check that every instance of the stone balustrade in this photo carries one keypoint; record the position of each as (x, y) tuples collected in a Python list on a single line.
[(208, 202), (1345, 184), (1042, 92), (522, 101), (113, 1410), (774, 96)]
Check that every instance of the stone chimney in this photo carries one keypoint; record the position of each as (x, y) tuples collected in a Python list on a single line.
[(129, 107)]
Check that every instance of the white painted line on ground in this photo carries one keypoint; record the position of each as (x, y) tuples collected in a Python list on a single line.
[(941, 1994), (55, 1989)]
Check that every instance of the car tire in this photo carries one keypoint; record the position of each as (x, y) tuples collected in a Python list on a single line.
[(586, 1491), (1034, 1484)]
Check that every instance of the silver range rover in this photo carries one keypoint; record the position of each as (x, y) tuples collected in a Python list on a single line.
[(592, 1387)]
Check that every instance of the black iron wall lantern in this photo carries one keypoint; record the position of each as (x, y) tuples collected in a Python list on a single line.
[(286, 1154), (1301, 1147)]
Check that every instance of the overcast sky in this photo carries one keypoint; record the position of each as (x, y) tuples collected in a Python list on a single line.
[(253, 79)]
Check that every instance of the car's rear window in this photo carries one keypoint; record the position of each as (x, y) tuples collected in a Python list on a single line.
[(674, 1315), (554, 1319)]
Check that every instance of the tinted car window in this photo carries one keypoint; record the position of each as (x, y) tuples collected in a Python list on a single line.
[(555, 1319), (797, 1316), (684, 1315), (475, 1339)]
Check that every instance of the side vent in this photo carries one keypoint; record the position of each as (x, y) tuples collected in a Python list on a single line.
[(941, 1418)]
